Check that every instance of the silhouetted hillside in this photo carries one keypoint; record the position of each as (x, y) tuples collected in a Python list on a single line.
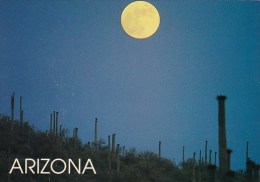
[(110, 164)]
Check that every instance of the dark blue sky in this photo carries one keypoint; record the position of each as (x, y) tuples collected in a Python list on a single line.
[(74, 57)]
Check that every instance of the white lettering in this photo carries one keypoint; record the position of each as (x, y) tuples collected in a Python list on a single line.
[(75, 167), (29, 167), (56, 166), (86, 167), (64, 166), (44, 166), (38, 166), (16, 161)]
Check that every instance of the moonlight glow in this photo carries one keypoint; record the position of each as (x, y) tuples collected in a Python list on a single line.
[(140, 19)]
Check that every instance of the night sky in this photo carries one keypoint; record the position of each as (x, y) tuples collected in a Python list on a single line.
[(75, 58)]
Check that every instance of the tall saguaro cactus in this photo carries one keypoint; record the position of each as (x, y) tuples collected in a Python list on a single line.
[(75, 135), (222, 135), (54, 123), (12, 107), (160, 145), (113, 144), (247, 146), (56, 126), (118, 158), (109, 153), (215, 159), (21, 113), (206, 152), (95, 137), (50, 132), (108, 142), (183, 154), (210, 154), (193, 168)]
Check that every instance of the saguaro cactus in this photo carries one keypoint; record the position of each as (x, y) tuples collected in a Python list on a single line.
[(21, 113), (247, 146), (206, 152), (210, 152), (12, 107), (75, 133), (199, 175), (193, 168), (108, 142), (160, 145), (123, 151), (200, 157), (109, 153), (54, 123), (56, 126), (215, 160), (60, 130), (222, 135), (118, 158), (113, 144), (50, 124), (95, 137), (183, 154)]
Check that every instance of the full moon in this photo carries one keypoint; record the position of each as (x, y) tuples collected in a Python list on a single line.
[(140, 19)]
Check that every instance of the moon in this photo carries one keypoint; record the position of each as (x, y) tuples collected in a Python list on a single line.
[(140, 19)]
